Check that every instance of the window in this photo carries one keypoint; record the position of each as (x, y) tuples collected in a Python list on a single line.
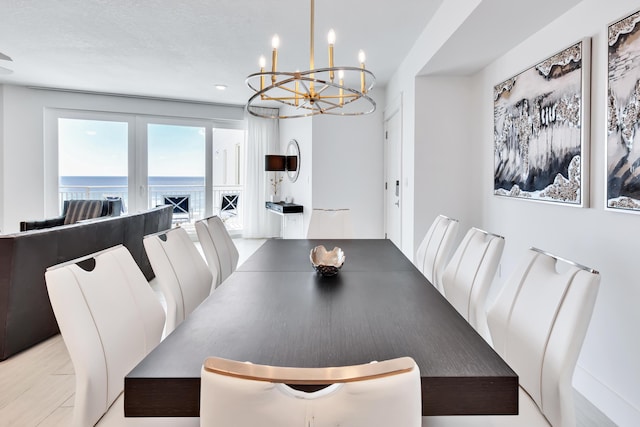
[(142, 159), (176, 168), (92, 159)]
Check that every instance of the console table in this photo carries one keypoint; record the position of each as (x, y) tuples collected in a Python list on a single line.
[(291, 218)]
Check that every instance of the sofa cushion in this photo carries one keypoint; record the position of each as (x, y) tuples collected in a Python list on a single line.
[(78, 210)]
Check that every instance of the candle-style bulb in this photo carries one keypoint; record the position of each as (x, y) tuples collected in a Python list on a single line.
[(297, 90), (275, 42), (262, 62), (361, 58), (341, 90), (331, 37)]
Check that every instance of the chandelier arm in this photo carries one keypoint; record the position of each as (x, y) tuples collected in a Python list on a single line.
[(325, 87), (327, 105), (288, 89), (304, 105), (306, 88)]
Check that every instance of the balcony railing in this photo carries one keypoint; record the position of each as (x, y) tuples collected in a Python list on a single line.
[(156, 194)]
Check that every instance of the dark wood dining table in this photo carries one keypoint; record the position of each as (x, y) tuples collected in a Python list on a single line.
[(276, 310)]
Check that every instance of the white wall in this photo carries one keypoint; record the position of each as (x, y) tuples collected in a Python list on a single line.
[(348, 167), (341, 166), (447, 154), (301, 190), (23, 165), (608, 371)]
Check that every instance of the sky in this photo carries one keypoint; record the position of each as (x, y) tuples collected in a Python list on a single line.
[(99, 148)]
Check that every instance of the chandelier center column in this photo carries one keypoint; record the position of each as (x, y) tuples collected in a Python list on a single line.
[(312, 65)]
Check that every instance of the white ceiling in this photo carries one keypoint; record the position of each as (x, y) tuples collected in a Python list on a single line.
[(493, 28), (181, 50)]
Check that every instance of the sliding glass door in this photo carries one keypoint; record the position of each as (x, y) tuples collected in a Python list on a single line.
[(195, 165), (176, 169), (93, 159)]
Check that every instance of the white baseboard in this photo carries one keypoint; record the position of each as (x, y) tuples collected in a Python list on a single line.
[(606, 400)]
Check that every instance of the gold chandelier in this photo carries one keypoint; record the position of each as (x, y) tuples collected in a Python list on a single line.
[(312, 92)]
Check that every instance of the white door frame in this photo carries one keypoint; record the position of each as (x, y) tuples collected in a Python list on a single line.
[(394, 108)]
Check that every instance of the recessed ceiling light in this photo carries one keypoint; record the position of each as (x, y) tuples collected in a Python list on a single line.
[(221, 87)]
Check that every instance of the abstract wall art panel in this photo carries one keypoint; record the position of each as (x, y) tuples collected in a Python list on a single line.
[(540, 143), (623, 115)]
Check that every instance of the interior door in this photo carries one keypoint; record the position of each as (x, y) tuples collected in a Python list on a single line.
[(393, 177)]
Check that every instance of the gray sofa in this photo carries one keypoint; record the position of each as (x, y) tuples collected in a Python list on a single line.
[(26, 317)]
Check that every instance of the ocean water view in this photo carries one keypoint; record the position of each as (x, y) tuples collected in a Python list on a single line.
[(120, 182)]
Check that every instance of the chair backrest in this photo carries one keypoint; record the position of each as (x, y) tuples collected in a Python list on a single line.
[(241, 394), (180, 204), (467, 278), (209, 250), (330, 224), (78, 210), (434, 250), (218, 247), (217, 226), (538, 324), (229, 202), (110, 319), (181, 272)]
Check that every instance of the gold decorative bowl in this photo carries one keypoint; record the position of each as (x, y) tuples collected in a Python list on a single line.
[(326, 263)]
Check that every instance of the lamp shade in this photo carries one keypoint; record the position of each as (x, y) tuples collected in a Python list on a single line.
[(292, 163), (275, 163)]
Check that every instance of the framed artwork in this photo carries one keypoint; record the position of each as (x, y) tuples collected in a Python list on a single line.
[(623, 115), (540, 135)]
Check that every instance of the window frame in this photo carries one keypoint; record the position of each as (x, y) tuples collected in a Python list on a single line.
[(137, 151)]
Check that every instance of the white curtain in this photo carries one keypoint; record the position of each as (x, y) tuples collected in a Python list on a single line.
[(263, 137)]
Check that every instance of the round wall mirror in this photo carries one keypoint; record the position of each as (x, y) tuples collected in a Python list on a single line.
[(293, 160)]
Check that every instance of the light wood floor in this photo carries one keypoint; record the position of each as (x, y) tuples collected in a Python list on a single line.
[(37, 385)]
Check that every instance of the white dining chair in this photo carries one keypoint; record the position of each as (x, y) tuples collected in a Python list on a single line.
[(110, 319), (330, 224), (538, 324), (217, 245), (468, 276), (241, 394), (435, 248), (182, 274)]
